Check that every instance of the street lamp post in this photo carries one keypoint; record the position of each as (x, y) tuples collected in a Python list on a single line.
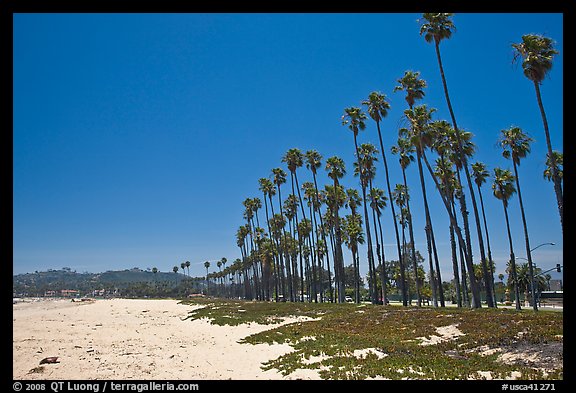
[(533, 287), (543, 244)]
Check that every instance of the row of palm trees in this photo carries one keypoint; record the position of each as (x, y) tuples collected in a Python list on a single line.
[(298, 252), (306, 240)]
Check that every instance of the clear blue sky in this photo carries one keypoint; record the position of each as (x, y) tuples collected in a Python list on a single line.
[(137, 136)]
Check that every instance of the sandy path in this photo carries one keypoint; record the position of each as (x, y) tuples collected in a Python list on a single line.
[(135, 339)]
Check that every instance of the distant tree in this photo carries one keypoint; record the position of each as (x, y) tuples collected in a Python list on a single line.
[(207, 265)]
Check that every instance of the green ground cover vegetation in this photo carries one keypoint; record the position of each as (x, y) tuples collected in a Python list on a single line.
[(493, 343)]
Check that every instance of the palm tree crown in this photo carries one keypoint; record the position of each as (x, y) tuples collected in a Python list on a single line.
[(558, 162), (377, 106), (279, 176), (413, 85), (536, 52), (516, 144), (354, 118), (436, 26), (294, 159), (313, 160), (503, 186), (267, 187), (480, 173), (336, 168)]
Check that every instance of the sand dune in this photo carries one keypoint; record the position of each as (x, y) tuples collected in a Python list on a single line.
[(135, 339)]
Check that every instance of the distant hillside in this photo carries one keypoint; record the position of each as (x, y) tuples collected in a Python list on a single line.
[(129, 282)]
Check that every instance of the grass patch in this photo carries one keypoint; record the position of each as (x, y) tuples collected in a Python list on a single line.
[(485, 343)]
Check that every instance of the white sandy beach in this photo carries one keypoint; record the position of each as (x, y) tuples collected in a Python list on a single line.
[(135, 339)]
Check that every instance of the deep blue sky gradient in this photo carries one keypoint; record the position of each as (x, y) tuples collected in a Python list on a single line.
[(138, 136)]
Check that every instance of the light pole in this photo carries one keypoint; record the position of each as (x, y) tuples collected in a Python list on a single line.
[(533, 289), (543, 244)]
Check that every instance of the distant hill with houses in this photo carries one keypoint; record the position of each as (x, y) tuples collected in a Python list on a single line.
[(133, 282)]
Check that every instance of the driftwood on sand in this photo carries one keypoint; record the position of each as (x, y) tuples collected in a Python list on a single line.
[(51, 359)]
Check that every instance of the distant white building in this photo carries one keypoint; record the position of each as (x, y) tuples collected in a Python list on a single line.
[(555, 285)]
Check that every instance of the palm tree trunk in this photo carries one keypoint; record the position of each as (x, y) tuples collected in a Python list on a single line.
[(489, 295), (404, 285), (404, 299), (274, 265), (378, 252), (465, 293), (412, 245), (455, 267), (293, 271), (331, 293), (288, 278), (527, 241), (383, 273), (490, 261), (310, 242), (316, 250), (439, 275), (464, 212), (555, 178), (339, 256), (427, 228), (476, 301), (371, 270), (337, 279), (512, 260)]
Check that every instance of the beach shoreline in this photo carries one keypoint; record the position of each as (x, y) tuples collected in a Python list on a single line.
[(148, 339)]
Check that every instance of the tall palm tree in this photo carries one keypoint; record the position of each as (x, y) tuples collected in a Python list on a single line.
[(295, 159), (413, 85), (313, 162), (207, 265), (336, 170), (187, 263), (311, 198), (445, 143), (537, 52), (436, 27), (450, 188), (480, 174), (279, 179), (366, 170), (378, 203), (291, 210), (419, 118), (175, 270), (183, 267), (352, 201), (401, 197), (354, 118), (404, 149), (268, 190), (377, 107), (219, 265), (353, 236), (266, 250), (277, 224), (503, 189), (516, 145), (223, 260)]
